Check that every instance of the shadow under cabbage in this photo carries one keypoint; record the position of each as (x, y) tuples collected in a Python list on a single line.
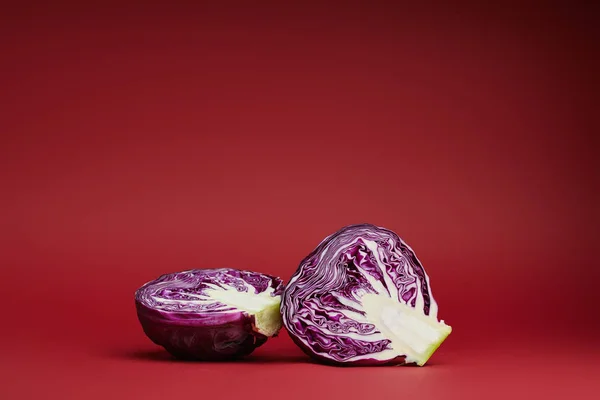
[(159, 355)]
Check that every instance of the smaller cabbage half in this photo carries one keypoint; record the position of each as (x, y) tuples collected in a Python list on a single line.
[(210, 314), (363, 298)]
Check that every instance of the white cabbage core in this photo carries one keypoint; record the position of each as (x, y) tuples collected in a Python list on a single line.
[(263, 306), (411, 332)]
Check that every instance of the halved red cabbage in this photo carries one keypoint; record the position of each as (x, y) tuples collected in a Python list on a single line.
[(210, 314), (363, 298)]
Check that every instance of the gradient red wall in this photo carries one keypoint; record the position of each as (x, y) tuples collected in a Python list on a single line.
[(138, 141)]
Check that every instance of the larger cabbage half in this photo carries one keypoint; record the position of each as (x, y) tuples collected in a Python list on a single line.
[(362, 297)]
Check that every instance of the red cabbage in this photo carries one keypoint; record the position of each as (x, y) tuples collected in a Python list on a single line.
[(210, 314), (363, 298)]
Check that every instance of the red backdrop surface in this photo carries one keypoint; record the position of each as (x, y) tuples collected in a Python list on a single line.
[(143, 140)]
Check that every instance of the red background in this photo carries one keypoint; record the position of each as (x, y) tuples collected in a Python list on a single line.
[(143, 140)]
